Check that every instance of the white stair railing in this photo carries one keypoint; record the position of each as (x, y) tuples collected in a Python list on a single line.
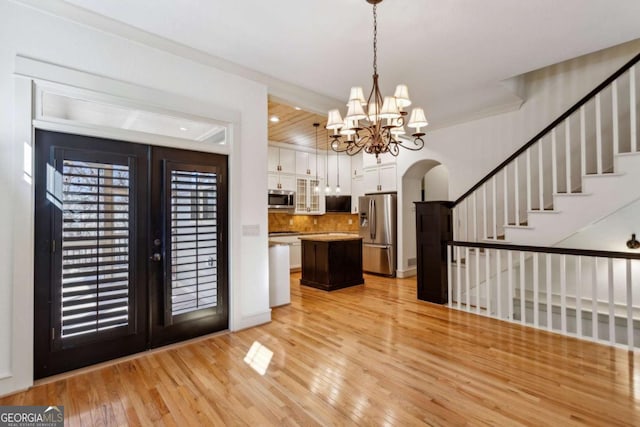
[(592, 295), (583, 141)]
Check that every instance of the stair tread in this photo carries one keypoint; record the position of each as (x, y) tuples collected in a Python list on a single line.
[(575, 193), (628, 153), (519, 226), (602, 175)]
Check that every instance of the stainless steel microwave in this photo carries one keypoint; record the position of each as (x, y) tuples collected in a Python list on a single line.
[(281, 200)]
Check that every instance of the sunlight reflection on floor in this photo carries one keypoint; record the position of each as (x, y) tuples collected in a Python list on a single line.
[(258, 357)]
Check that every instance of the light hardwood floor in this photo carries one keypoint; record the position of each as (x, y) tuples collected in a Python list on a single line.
[(367, 355)]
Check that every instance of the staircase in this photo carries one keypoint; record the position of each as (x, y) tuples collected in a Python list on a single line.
[(601, 194), (583, 166)]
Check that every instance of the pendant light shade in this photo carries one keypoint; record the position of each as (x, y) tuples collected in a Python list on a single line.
[(417, 119), (402, 96), (357, 95), (335, 120), (389, 108), (355, 112)]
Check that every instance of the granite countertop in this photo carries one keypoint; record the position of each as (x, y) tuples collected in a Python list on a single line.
[(303, 233), (331, 238)]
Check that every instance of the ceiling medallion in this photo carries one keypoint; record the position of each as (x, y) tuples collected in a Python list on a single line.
[(375, 124)]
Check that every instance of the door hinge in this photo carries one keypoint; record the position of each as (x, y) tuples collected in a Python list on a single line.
[(53, 334), (53, 246)]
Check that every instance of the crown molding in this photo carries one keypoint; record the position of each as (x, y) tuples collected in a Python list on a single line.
[(284, 91)]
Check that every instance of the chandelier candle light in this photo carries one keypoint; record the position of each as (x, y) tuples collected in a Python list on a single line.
[(377, 130)]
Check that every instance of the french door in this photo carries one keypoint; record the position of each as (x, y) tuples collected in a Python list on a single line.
[(130, 248)]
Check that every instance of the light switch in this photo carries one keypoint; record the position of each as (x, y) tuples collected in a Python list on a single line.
[(315, 221), (290, 222), (350, 221)]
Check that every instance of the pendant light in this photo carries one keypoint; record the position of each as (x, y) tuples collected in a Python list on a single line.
[(337, 173), (317, 187), (327, 188)]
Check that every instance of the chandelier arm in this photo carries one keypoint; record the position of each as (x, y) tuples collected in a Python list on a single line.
[(418, 142)]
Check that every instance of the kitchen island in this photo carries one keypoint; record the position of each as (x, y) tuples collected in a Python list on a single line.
[(331, 262)]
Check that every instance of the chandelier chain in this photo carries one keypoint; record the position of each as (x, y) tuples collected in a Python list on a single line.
[(375, 40)]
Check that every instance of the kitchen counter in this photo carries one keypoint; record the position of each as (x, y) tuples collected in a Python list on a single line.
[(331, 237), (331, 262)]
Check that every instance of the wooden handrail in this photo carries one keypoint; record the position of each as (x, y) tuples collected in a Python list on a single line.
[(548, 129), (547, 250)]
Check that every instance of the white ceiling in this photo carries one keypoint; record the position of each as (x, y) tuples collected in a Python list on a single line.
[(453, 54)]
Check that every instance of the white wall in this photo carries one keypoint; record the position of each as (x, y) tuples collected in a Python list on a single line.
[(409, 192), (44, 37), (471, 150), (610, 233), (436, 184)]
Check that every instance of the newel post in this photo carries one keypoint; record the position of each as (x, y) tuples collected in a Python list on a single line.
[(433, 230)]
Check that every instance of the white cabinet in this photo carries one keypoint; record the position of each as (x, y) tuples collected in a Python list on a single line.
[(357, 190), (305, 164), (287, 161), (279, 282), (273, 159), (339, 163), (309, 196), (281, 168), (281, 160), (295, 255), (272, 181), (280, 181), (378, 179), (369, 160), (356, 165), (295, 250)]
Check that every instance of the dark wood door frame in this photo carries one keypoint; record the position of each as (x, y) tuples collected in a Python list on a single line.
[(147, 327)]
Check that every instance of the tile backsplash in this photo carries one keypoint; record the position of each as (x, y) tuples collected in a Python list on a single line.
[(305, 223)]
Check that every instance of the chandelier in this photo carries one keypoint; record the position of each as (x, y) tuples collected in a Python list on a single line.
[(376, 124)]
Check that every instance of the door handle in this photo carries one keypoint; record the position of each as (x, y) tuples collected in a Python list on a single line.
[(372, 219), (156, 257)]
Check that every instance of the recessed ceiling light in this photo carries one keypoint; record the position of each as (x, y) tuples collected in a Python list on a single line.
[(297, 108), (274, 119), (182, 128)]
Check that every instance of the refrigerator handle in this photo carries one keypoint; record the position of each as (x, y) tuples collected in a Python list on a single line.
[(372, 219)]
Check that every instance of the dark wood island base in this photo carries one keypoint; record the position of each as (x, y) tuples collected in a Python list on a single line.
[(331, 262)]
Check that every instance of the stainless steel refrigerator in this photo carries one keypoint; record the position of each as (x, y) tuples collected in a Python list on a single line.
[(378, 228)]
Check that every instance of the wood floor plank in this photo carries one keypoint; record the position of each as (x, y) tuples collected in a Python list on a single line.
[(365, 355)]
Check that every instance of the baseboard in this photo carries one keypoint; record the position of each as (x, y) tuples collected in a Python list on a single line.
[(409, 272), (252, 320)]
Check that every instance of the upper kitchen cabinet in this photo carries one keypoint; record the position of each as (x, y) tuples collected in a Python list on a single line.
[(307, 165), (380, 179), (339, 166), (356, 165), (357, 190), (369, 160), (279, 181), (281, 160), (309, 196)]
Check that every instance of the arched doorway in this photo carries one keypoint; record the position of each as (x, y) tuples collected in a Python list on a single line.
[(427, 180)]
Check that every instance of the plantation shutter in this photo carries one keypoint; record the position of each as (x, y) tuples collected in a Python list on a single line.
[(194, 241), (96, 232)]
